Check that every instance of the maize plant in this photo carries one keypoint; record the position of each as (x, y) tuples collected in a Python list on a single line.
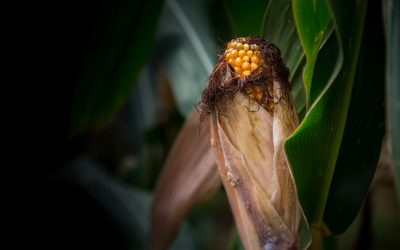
[(284, 105), (281, 175)]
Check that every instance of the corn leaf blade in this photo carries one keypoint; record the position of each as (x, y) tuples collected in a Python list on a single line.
[(244, 24), (362, 139), (312, 37), (322, 129), (279, 28), (186, 31), (120, 46), (392, 27)]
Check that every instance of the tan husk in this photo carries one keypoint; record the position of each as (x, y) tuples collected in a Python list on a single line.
[(189, 176), (248, 144)]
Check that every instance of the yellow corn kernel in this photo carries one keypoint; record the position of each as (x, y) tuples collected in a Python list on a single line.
[(256, 93), (239, 46), (255, 59), (234, 53), (243, 57), (245, 66), (254, 47), (238, 62), (238, 70)]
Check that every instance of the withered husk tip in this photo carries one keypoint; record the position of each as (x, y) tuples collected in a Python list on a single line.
[(224, 82)]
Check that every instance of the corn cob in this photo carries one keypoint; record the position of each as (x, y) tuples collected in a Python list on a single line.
[(251, 114)]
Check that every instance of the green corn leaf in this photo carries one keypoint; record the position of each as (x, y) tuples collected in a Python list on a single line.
[(122, 35), (279, 28), (392, 26), (313, 148), (185, 31), (127, 208), (246, 19), (312, 37), (362, 139)]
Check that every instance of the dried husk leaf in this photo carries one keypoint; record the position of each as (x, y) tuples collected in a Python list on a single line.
[(189, 176), (248, 143)]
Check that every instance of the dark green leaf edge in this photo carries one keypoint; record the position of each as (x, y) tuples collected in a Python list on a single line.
[(328, 102)]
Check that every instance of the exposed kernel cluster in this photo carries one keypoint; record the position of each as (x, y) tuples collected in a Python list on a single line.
[(256, 93), (243, 57)]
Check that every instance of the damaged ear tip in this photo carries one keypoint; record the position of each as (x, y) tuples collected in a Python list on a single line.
[(248, 65)]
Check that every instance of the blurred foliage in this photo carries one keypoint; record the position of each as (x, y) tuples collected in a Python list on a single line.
[(127, 74), (392, 27), (121, 35)]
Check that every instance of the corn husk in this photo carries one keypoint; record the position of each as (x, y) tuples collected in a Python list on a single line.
[(189, 176), (251, 115), (248, 144)]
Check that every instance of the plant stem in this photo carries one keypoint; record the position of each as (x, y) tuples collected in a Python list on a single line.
[(316, 234)]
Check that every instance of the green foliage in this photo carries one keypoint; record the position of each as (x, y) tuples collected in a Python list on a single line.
[(312, 38), (334, 152), (322, 129), (279, 28), (122, 34), (128, 208), (246, 19), (362, 139), (185, 47), (392, 26)]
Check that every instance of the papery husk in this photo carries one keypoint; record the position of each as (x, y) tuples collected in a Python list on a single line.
[(189, 176), (248, 144)]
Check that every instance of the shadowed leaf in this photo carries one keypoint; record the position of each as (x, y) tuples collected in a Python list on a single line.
[(362, 139), (184, 30), (246, 19), (392, 26), (121, 39)]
